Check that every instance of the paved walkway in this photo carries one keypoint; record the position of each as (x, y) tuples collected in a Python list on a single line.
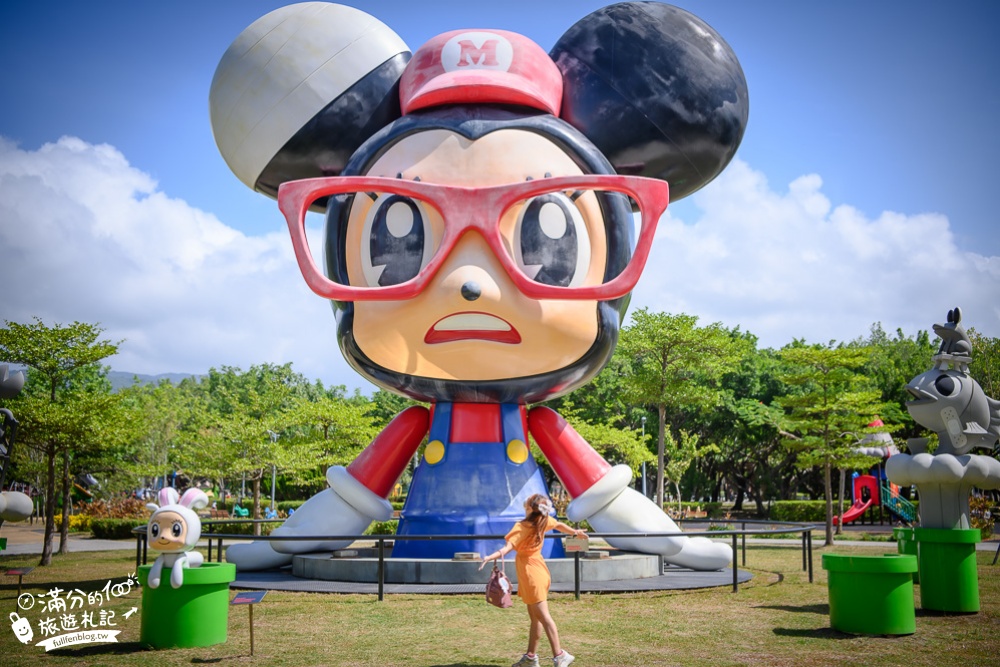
[(24, 538)]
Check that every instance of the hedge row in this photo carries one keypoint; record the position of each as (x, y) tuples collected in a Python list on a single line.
[(239, 528), (282, 505), (714, 510), (809, 510), (115, 529)]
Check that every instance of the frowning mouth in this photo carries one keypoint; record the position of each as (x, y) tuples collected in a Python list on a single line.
[(472, 326)]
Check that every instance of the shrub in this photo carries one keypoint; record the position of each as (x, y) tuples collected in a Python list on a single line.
[(981, 517), (77, 522), (813, 511), (799, 510), (115, 529), (713, 510), (234, 528), (115, 508), (721, 526), (285, 505), (383, 527)]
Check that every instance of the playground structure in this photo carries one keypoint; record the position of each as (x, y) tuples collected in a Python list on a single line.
[(479, 243), (869, 493), (874, 490)]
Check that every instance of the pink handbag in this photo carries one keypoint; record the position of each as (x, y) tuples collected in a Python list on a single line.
[(498, 588)]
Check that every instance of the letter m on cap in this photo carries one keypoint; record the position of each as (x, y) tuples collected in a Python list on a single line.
[(483, 56)]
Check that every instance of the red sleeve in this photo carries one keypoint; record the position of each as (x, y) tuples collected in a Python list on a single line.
[(575, 462), (382, 462)]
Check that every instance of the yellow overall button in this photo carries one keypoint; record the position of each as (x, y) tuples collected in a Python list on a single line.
[(517, 451), (434, 452)]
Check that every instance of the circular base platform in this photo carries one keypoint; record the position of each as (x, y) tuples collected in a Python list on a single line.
[(672, 578), (604, 566)]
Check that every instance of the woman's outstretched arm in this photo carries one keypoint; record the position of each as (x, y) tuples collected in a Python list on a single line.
[(570, 530), (502, 551)]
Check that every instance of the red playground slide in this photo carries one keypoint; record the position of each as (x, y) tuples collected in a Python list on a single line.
[(856, 510)]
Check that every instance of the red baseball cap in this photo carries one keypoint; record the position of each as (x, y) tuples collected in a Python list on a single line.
[(481, 66)]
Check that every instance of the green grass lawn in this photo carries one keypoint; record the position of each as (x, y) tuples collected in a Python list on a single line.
[(777, 619)]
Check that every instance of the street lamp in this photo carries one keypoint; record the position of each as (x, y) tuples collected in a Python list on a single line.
[(644, 463), (274, 470)]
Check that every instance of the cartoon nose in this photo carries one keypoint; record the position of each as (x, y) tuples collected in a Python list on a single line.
[(471, 290), (472, 272)]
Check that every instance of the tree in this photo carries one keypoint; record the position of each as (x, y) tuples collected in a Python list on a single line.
[(682, 455), (828, 409), (249, 426), (893, 362), (675, 364), (985, 366), (335, 428), (168, 413), (58, 418)]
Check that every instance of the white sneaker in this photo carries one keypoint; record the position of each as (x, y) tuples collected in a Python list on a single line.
[(525, 661), (563, 659)]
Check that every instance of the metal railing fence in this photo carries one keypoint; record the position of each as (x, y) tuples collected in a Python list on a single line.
[(789, 528)]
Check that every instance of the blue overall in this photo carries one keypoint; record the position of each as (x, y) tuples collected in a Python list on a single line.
[(475, 488)]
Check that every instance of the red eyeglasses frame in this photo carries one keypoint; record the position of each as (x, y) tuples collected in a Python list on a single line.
[(479, 208)]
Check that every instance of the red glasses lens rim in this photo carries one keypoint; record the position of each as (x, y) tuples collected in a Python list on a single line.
[(295, 198)]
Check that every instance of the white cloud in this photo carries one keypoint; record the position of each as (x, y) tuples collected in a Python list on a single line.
[(789, 265), (85, 236)]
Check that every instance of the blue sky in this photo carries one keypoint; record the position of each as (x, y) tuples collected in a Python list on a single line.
[(863, 191)]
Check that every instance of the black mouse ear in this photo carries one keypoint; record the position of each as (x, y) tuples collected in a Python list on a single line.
[(300, 89), (656, 89)]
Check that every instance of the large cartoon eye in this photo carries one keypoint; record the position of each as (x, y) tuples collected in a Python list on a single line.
[(154, 530), (396, 240), (176, 529), (551, 243), (945, 385)]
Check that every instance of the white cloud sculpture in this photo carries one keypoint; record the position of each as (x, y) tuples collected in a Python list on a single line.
[(944, 482)]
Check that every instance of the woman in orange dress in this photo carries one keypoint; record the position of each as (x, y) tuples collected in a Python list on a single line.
[(533, 577)]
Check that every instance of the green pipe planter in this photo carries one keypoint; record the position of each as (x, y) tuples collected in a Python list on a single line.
[(871, 595), (949, 580), (194, 615), (906, 544)]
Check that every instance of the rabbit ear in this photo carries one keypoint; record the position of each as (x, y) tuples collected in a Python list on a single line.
[(194, 499), (168, 496), (300, 89), (656, 89)]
